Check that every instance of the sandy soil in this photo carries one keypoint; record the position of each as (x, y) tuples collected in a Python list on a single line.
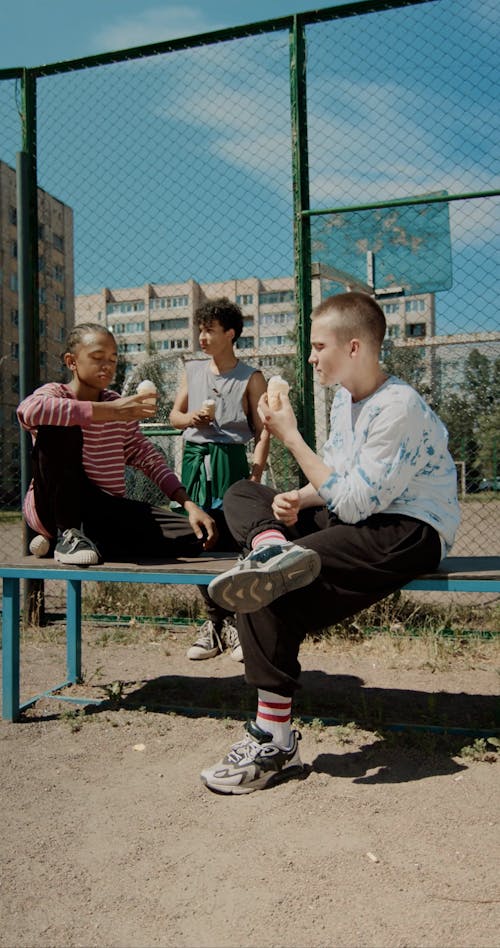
[(110, 839)]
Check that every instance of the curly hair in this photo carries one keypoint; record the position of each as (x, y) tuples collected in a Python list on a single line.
[(227, 313)]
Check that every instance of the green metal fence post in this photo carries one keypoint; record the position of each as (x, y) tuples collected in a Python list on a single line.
[(29, 345), (301, 226)]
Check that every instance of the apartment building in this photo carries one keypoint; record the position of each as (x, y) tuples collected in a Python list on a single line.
[(157, 318), (56, 309)]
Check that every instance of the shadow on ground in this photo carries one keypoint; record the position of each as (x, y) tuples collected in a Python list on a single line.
[(333, 699)]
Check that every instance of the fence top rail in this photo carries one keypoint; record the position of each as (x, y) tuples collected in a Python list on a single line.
[(307, 18)]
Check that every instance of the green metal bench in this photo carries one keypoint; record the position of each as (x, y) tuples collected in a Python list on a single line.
[(456, 574)]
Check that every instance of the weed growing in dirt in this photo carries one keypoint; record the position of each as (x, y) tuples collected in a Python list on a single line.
[(482, 750), (74, 717)]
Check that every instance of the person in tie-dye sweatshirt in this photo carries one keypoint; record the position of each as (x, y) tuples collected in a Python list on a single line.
[(379, 509)]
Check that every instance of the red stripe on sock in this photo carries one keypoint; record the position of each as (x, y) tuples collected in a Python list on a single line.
[(273, 717), (275, 704), (267, 536)]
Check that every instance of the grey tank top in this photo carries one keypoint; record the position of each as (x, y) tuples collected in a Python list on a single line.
[(227, 390)]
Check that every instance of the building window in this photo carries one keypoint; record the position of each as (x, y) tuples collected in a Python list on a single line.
[(131, 347), (13, 249), (42, 295), (275, 341), (60, 302), (277, 296), (58, 242), (42, 328), (14, 383), (393, 332), (43, 359), (59, 273), (414, 306), (14, 350), (415, 329), (14, 317), (244, 299), (13, 282), (245, 342), (164, 325), (126, 327), (391, 308), (41, 264), (12, 215), (132, 306), (41, 231), (168, 302), (277, 319)]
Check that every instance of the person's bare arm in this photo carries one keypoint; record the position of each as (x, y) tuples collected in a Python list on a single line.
[(180, 417), (127, 408), (256, 387)]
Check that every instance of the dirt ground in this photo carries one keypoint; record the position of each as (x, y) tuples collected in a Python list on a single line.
[(109, 838)]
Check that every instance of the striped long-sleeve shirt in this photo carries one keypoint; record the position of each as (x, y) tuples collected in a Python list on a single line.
[(108, 447)]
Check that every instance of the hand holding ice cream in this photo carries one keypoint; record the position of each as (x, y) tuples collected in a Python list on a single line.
[(275, 388), (146, 387)]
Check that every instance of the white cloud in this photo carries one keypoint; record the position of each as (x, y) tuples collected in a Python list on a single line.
[(156, 24)]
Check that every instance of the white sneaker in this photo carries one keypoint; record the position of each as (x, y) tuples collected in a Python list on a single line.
[(267, 573), (74, 548), (207, 645), (231, 640), (39, 545), (254, 763)]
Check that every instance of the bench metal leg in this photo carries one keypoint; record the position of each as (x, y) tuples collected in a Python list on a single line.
[(74, 630), (10, 650)]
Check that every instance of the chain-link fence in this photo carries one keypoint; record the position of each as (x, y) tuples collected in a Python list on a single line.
[(274, 164)]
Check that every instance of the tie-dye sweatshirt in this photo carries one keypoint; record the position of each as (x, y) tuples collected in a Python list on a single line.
[(107, 446), (389, 454)]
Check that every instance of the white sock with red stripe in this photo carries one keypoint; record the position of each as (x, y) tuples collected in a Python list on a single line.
[(268, 538), (274, 715)]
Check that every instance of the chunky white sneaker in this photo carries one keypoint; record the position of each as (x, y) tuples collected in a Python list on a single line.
[(207, 645), (39, 545), (265, 574), (231, 640), (76, 549), (254, 763)]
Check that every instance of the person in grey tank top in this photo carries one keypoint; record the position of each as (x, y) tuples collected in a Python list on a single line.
[(216, 408)]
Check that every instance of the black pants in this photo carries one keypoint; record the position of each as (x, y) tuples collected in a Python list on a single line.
[(361, 564), (122, 529)]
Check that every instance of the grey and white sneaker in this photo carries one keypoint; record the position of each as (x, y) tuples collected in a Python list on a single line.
[(39, 545), (75, 549), (207, 645), (267, 573), (231, 640), (254, 763)]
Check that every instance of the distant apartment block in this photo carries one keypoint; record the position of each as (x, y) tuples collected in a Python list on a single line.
[(160, 317), (56, 308)]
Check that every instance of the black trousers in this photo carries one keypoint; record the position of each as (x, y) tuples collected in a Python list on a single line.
[(361, 564), (122, 529)]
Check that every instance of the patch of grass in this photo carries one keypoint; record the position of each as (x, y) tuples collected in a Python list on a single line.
[(134, 600), (74, 717)]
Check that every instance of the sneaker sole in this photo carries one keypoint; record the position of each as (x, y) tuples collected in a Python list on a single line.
[(83, 558), (248, 591), (264, 783), (198, 655)]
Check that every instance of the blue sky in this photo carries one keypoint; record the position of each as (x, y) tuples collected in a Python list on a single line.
[(193, 149), (35, 32)]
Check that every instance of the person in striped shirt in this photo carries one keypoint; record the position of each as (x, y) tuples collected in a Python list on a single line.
[(84, 435)]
